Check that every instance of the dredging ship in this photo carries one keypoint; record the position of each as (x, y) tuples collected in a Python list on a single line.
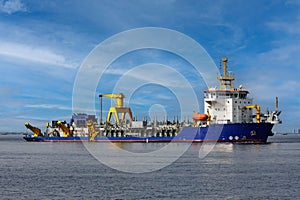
[(231, 116)]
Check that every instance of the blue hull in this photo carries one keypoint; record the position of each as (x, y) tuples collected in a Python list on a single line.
[(239, 132)]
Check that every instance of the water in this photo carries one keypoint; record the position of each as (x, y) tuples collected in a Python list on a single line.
[(68, 171)]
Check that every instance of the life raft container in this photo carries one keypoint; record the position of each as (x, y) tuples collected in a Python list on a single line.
[(199, 117)]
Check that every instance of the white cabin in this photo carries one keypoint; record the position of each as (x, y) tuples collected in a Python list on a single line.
[(228, 106)]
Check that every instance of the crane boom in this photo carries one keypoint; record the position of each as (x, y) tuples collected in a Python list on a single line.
[(36, 131), (66, 130), (257, 107), (119, 98)]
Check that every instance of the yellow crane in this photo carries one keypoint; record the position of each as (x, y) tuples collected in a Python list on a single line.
[(36, 131), (257, 107), (66, 130), (117, 109)]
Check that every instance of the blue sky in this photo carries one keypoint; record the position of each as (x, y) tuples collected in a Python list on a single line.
[(43, 43)]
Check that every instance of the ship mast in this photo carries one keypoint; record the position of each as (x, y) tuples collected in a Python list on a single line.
[(225, 80)]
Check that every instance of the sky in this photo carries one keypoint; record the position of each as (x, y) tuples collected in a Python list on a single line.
[(43, 45)]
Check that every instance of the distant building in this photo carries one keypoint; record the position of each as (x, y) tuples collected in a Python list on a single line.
[(298, 131)]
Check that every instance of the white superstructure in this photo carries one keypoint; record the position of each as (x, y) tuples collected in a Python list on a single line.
[(228, 106), (232, 105)]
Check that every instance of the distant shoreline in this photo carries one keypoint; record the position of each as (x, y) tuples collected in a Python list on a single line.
[(11, 133)]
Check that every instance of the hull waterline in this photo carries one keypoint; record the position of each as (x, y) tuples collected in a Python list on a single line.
[(240, 133)]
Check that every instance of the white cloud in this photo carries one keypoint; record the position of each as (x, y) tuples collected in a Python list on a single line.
[(289, 27), (286, 26), (292, 2), (12, 6), (283, 54), (148, 100), (33, 54), (113, 71), (48, 106)]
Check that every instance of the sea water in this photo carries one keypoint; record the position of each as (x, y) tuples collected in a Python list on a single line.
[(229, 171)]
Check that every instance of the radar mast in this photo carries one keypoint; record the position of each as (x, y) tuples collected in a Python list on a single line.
[(225, 80)]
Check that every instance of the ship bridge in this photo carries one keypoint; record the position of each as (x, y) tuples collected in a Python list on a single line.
[(213, 94)]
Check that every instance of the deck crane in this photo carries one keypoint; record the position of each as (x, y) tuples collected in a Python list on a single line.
[(36, 131), (117, 109), (66, 130), (93, 132), (257, 107)]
